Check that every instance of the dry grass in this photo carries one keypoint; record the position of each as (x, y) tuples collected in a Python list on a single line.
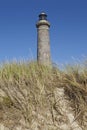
[(29, 88), (76, 89)]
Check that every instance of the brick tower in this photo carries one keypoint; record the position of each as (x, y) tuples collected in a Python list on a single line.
[(43, 40)]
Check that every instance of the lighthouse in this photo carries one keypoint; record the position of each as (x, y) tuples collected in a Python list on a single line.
[(43, 40)]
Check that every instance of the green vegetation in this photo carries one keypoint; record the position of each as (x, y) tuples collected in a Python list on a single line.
[(28, 87)]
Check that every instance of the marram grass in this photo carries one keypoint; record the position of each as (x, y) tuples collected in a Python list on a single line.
[(28, 86)]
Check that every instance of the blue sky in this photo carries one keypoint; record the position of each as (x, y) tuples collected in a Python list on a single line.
[(68, 31)]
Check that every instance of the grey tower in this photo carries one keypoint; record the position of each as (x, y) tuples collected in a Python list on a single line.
[(43, 40)]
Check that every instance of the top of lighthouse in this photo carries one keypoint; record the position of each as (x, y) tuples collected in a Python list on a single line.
[(42, 20), (43, 16)]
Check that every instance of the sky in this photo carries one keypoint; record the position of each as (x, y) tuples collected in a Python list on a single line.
[(68, 31)]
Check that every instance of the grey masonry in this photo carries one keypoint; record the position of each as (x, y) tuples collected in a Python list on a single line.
[(43, 40)]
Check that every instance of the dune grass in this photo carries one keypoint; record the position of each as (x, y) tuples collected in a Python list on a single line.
[(28, 87)]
